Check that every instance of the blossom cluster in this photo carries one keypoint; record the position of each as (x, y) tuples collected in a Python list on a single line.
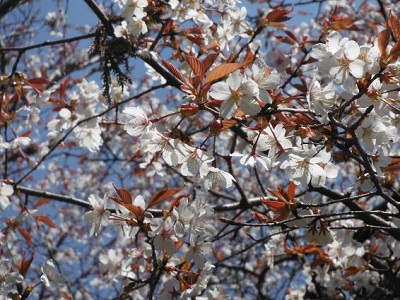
[(180, 239), (264, 165)]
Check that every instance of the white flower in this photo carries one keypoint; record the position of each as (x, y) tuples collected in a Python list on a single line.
[(253, 159), (258, 73), (237, 19), (51, 276), (339, 58), (217, 177), (6, 191), (308, 165), (89, 137), (127, 220), (376, 131), (137, 26), (196, 163), (182, 215), (121, 30), (273, 139), (138, 122), (235, 92), (172, 150), (164, 235), (320, 98), (111, 262), (8, 279), (99, 215), (134, 7), (198, 251)]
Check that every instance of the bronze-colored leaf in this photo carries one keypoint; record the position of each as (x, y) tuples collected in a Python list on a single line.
[(383, 40), (124, 195), (41, 202), (209, 60), (224, 70), (25, 235), (46, 221), (163, 195), (196, 65), (24, 265), (174, 71), (394, 23)]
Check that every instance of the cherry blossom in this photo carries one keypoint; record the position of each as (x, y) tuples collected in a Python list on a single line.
[(256, 152), (339, 58), (6, 191), (236, 92), (216, 177), (99, 216), (310, 165), (273, 139), (138, 122), (7, 278), (51, 276)]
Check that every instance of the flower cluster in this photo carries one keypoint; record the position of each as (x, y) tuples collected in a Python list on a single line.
[(181, 236)]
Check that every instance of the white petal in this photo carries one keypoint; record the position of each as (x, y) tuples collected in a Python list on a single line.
[(357, 68), (228, 109), (220, 91), (351, 50)]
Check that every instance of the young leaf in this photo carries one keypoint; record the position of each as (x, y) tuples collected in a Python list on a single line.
[(394, 23), (174, 71), (24, 265), (209, 60), (26, 236), (124, 195), (163, 195), (224, 70), (196, 66), (41, 202), (46, 221), (383, 40)]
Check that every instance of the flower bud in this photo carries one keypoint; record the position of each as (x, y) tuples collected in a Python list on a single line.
[(216, 126), (189, 109)]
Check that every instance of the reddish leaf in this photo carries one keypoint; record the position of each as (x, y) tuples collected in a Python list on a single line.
[(46, 221), (279, 14), (26, 235), (260, 217), (63, 87), (383, 40), (343, 23), (41, 202), (278, 194), (27, 133), (67, 296), (291, 35), (163, 195), (136, 210), (394, 52), (224, 70), (24, 265), (394, 23), (277, 207), (124, 195), (226, 124), (291, 190), (174, 71), (39, 80), (276, 17), (196, 66), (209, 60)]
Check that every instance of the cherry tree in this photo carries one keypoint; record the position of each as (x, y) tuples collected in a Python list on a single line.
[(207, 149)]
